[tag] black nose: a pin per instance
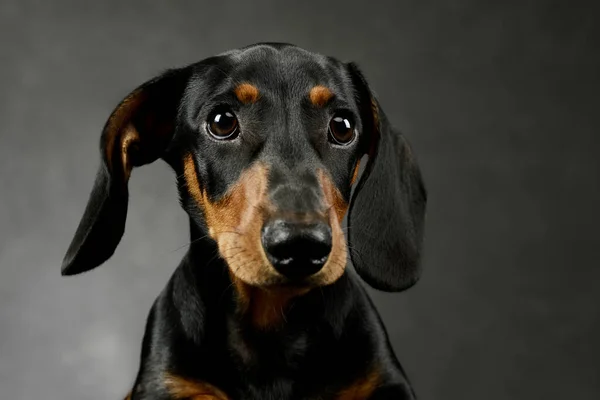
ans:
(296, 249)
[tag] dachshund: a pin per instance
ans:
(266, 142)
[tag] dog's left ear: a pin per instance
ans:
(387, 209)
(137, 132)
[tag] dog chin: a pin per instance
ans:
(278, 282)
(307, 284)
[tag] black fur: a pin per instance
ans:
(333, 335)
(387, 211)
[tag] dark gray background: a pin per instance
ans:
(499, 100)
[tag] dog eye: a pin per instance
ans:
(341, 129)
(223, 124)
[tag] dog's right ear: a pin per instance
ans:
(136, 133)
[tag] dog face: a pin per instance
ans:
(266, 142)
(270, 162)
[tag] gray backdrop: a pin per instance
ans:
(500, 101)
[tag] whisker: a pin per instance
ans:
(189, 243)
(292, 304)
(283, 315)
(225, 291)
(231, 257)
(215, 255)
(218, 253)
(356, 253)
(234, 232)
(228, 286)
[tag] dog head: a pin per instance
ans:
(266, 142)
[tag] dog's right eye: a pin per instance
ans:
(222, 124)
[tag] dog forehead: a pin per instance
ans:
(291, 67)
(276, 67)
(279, 55)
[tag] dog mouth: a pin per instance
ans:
(283, 282)
(272, 280)
(287, 252)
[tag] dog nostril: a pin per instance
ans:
(296, 249)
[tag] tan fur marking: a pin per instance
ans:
(130, 135)
(128, 397)
(183, 388)
(320, 95)
(247, 93)
(375, 110)
(333, 196)
(117, 121)
(355, 173)
(362, 388)
(337, 207)
(191, 178)
(266, 307)
(235, 222)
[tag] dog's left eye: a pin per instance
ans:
(341, 129)
(223, 124)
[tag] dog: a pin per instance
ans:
(266, 142)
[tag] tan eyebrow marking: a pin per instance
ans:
(247, 93)
(320, 95)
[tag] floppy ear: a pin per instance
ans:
(387, 209)
(136, 133)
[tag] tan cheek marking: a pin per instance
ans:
(183, 388)
(355, 173)
(218, 214)
(247, 93)
(235, 221)
(320, 95)
(333, 197)
(361, 389)
(242, 208)
(336, 263)
(191, 178)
